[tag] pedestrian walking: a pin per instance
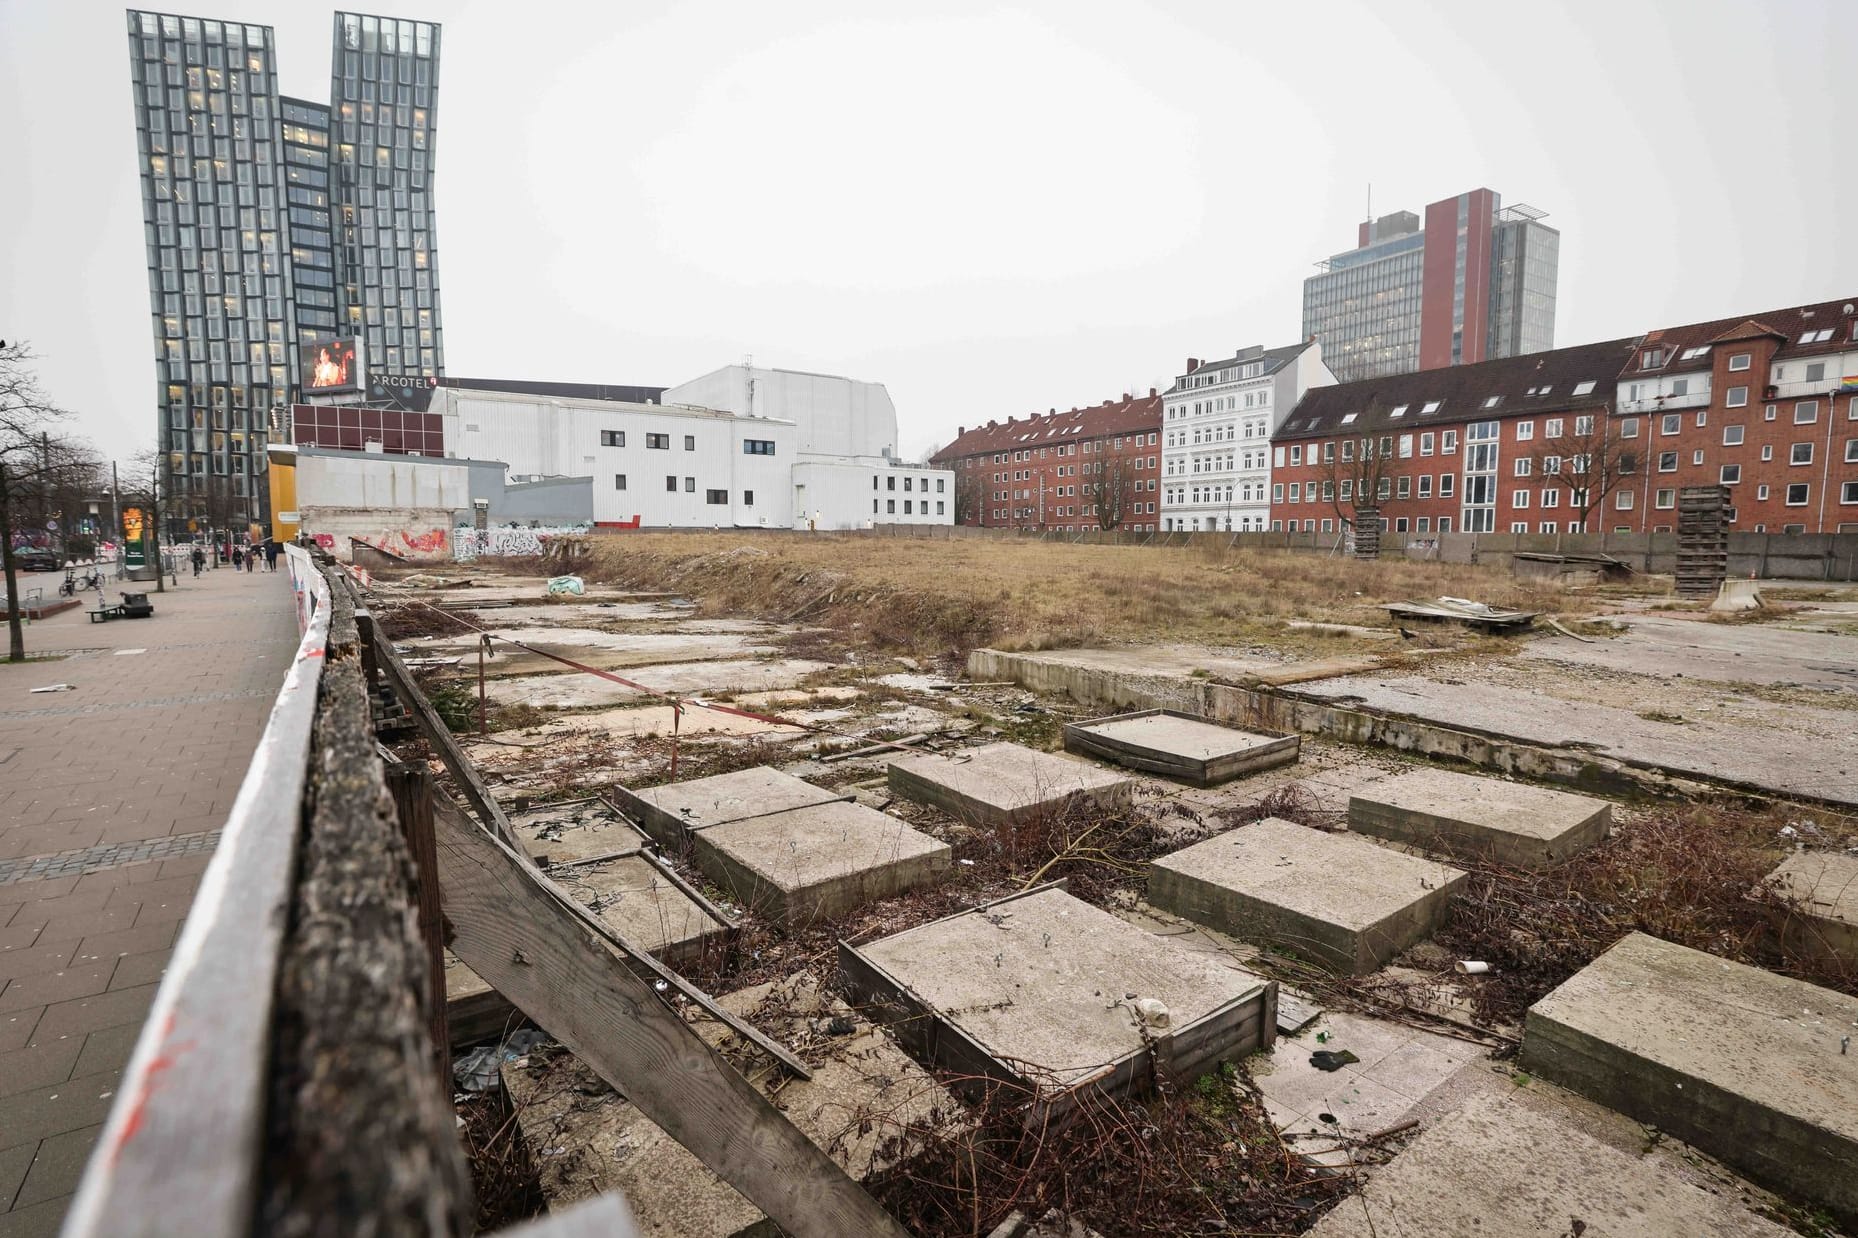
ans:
(251, 558)
(199, 559)
(271, 553)
(238, 558)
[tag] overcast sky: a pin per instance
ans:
(993, 210)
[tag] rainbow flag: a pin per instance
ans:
(1849, 383)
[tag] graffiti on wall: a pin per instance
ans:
(469, 543)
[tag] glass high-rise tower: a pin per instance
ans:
(274, 223)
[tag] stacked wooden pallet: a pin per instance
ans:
(1702, 539)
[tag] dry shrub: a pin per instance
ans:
(1197, 1156)
(503, 1178)
(1692, 875)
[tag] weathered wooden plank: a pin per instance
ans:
(436, 732)
(412, 789)
(182, 1138)
(360, 1135)
(512, 931)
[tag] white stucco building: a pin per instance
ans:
(832, 415)
(1217, 421)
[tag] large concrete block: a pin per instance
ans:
(1824, 925)
(574, 832)
(1512, 823)
(1005, 784)
(1502, 1168)
(1336, 899)
(818, 862)
(1748, 1066)
(1180, 746)
(1041, 991)
(670, 812)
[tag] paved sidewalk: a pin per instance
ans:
(111, 799)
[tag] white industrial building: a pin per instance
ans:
(1217, 421)
(738, 448)
(816, 452)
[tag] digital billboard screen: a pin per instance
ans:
(331, 366)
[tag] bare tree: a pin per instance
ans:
(1358, 479)
(38, 463)
(1114, 491)
(970, 495)
(1583, 456)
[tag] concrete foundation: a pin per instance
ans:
(1825, 924)
(1512, 823)
(668, 813)
(1501, 1168)
(639, 902)
(1744, 1064)
(573, 832)
(1335, 899)
(1005, 784)
(818, 862)
(1180, 746)
(1043, 992)
(589, 1139)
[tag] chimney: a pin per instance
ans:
(960, 430)
(1193, 363)
(1151, 393)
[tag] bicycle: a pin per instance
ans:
(73, 583)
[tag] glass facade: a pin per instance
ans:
(1367, 305)
(384, 85)
(1365, 308)
(1525, 258)
(271, 222)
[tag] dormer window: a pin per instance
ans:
(1399, 411)
(1492, 401)
(1583, 388)
(1431, 406)
(1348, 419)
(1651, 358)
(1691, 354)
(1817, 337)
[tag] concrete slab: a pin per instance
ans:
(1452, 814)
(1825, 924)
(1180, 746)
(671, 811)
(818, 862)
(1335, 899)
(573, 832)
(864, 1095)
(1004, 784)
(573, 690)
(1760, 653)
(1744, 1064)
(640, 903)
(1041, 991)
(1499, 1167)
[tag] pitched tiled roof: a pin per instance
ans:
(1582, 377)
(1791, 324)
(1274, 359)
(1124, 416)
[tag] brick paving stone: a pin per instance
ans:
(28, 1117)
(112, 800)
(14, 1162)
(58, 1166)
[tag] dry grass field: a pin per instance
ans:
(941, 597)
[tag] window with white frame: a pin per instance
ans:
(1621, 500)
(1525, 430)
(1805, 412)
(1737, 397)
(1629, 428)
(1667, 462)
(1731, 475)
(1670, 423)
(1551, 497)
(1797, 493)
(1522, 466)
(1800, 453)
(1583, 424)
(1740, 361)
(1448, 442)
(1519, 498)
(1664, 500)
(1551, 428)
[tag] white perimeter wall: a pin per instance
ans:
(382, 482)
(831, 414)
(536, 435)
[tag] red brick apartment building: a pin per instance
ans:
(1058, 471)
(1766, 404)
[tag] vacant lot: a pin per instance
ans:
(945, 597)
